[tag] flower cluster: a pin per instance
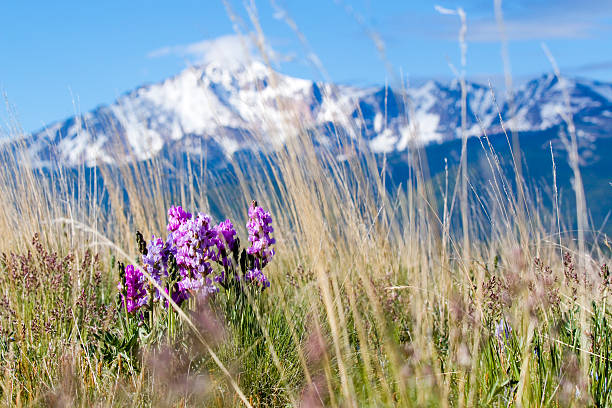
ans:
(155, 262)
(176, 217)
(133, 292)
(260, 228)
(184, 264)
(195, 241)
(226, 241)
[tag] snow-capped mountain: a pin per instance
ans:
(218, 111)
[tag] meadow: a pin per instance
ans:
(450, 291)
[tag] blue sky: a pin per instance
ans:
(63, 57)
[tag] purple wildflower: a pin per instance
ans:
(178, 296)
(225, 240)
(134, 293)
(155, 262)
(194, 240)
(256, 276)
(176, 217)
(503, 331)
(260, 228)
(202, 285)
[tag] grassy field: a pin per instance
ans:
(423, 294)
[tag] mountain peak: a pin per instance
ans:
(215, 68)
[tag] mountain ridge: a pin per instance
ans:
(254, 108)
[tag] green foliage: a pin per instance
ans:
(601, 358)
(263, 341)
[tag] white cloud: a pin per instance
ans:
(524, 20)
(444, 10)
(532, 29)
(229, 50)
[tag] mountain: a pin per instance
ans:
(222, 117)
(218, 111)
